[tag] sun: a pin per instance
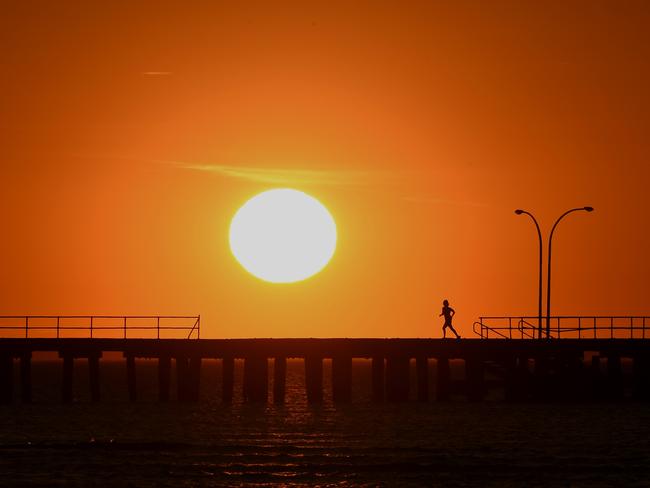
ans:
(283, 236)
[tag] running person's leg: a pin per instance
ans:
(454, 331)
(444, 331)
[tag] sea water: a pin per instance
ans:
(147, 444)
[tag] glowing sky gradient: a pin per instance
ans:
(131, 132)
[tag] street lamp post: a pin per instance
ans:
(539, 235)
(548, 273)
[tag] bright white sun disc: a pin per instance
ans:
(283, 236)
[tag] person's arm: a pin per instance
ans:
(453, 312)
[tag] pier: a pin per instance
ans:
(578, 363)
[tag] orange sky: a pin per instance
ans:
(421, 127)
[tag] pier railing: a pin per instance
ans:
(101, 326)
(564, 327)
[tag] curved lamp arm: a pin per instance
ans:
(539, 298)
(548, 271)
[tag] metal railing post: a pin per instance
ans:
(125, 327)
(26, 327)
(611, 327)
(631, 327)
(198, 327)
(58, 326)
(91, 327)
(158, 326)
(579, 327)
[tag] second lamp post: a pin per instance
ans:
(548, 275)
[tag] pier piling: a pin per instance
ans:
(516, 378)
(130, 378)
(573, 384)
(443, 379)
(422, 367)
(541, 381)
(68, 371)
(93, 373)
(595, 379)
(314, 378)
(256, 379)
(641, 372)
(227, 379)
(342, 379)
(164, 376)
(397, 378)
(378, 380)
(26, 377)
(194, 379)
(6, 379)
(615, 390)
(182, 379)
(279, 379)
(475, 379)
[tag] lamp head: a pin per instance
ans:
(519, 211)
(589, 209)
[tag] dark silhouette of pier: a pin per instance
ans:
(573, 368)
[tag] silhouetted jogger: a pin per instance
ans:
(448, 313)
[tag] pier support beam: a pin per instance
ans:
(256, 379)
(422, 367)
(342, 379)
(227, 379)
(314, 378)
(93, 373)
(279, 379)
(131, 379)
(26, 377)
(475, 379)
(6, 379)
(68, 371)
(397, 378)
(378, 380)
(164, 373)
(443, 379)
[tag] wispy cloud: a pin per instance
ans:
(427, 199)
(280, 176)
(157, 73)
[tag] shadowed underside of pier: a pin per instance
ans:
(525, 369)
